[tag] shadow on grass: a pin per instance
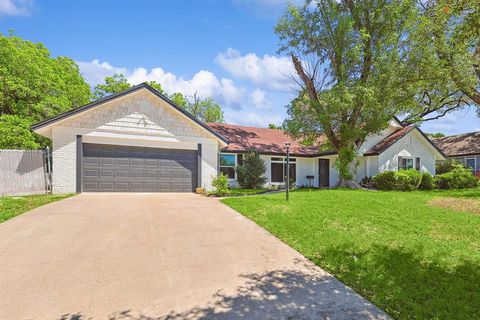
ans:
(280, 294)
(406, 286)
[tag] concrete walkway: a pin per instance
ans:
(159, 256)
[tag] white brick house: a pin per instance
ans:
(140, 141)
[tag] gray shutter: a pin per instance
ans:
(400, 163)
(417, 164)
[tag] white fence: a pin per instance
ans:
(24, 172)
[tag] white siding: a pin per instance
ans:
(307, 167)
(412, 145)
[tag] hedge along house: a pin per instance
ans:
(140, 141)
(464, 148)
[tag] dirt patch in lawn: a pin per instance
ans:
(457, 204)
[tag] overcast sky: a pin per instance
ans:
(223, 49)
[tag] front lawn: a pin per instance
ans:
(13, 206)
(409, 257)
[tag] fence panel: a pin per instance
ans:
(23, 172)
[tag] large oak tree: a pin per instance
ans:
(352, 69)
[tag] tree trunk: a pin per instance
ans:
(349, 183)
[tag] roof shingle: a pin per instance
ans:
(263, 140)
(460, 144)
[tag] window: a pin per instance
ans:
(417, 164)
(279, 169)
(227, 165)
(405, 163)
(470, 164)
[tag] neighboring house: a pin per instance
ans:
(464, 148)
(139, 140)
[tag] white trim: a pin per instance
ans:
(234, 166)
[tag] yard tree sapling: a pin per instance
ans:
(251, 173)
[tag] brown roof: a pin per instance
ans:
(263, 140)
(460, 144)
(272, 141)
(388, 141)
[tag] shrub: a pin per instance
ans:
(408, 180)
(427, 183)
(444, 166)
(220, 183)
(458, 178)
(251, 174)
(385, 181)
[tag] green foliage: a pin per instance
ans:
(114, 84)
(427, 183)
(179, 99)
(445, 52)
(220, 183)
(274, 126)
(385, 181)
(15, 133)
(206, 110)
(444, 166)
(360, 80)
(34, 86)
(251, 174)
(402, 180)
(408, 180)
(435, 135)
(411, 259)
(459, 178)
(157, 86)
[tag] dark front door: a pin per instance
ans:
(324, 173)
(137, 169)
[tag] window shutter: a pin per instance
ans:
(417, 164)
(400, 163)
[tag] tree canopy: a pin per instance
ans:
(351, 70)
(359, 63)
(34, 86)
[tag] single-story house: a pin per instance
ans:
(464, 148)
(140, 141)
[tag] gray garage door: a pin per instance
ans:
(137, 169)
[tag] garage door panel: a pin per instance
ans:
(137, 169)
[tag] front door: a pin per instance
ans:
(323, 173)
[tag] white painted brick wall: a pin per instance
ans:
(138, 114)
(64, 161)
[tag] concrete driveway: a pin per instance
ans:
(159, 256)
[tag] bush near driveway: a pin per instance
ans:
(411, 259)
(13, 206)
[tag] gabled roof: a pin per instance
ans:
(96, 103)
(391, 139)
(263, 140)
(388, 141)
(460, 144)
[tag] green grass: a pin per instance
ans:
(409, 258)
(13, 206)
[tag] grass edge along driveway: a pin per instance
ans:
(409, 258)
(12, 206)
